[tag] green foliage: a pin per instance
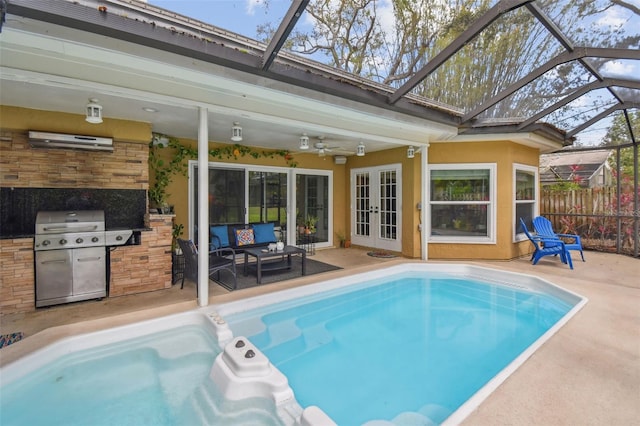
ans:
(178, 228)
(164, 169)
(618, 134)
(310, 223)
(564, 186)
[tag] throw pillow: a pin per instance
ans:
(263, 233)
(244, 237)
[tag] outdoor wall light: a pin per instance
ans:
(360, 150)
(304, 141)
(94, 112)
(236, 132)
(411, 152)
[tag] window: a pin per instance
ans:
(525, 197)
(462, 203)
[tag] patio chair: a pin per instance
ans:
(546, 246)
(219, 259)
(543, 226)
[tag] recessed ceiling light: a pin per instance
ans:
(149, 109)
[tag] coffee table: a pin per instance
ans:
(262, 254)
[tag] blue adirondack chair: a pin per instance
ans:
(546, 246)
(543, 226)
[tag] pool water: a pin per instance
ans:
(413, 346)
(159, 379)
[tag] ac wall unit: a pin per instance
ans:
(62, 141)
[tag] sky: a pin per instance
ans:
(244, 16)
(239, 16)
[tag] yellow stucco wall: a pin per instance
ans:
(505, 155)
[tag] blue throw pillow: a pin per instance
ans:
(263, 233)
(223, 235)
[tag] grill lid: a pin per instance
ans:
(59, 222)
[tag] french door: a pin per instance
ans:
(376, 219)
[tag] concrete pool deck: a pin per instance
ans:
(588, 373)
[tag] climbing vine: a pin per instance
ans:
(164, 170)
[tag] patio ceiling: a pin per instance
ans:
(274, 95)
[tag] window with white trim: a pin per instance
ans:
(525, 194)
(462, 202)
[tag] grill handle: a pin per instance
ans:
(67, 228)
(88, 259)
(46, 262)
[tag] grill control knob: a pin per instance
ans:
(79, 240)
(119, 238)
(46, 242)
(94, 239)
(63, 242)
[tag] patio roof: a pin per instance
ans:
(269, 66)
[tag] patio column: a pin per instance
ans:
(425, 194)
(203, 207)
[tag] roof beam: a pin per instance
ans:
(578, 53)
(286, 26)
(502, 7)
(564, 40)
(215, 49)
(631, 132)
(602, 115)
(594, 85)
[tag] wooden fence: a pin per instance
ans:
(604, 220)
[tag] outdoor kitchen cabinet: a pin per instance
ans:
(64, 276)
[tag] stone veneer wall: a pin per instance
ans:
(136, 269)
(22, 166)
(17, 276)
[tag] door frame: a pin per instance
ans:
(374, 240)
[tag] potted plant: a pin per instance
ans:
(310, 224)
(176, 233)
(342, 238)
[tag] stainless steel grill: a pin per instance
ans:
(71, 256)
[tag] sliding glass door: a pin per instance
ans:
(267, 199)
(249, 194)
(312, 206)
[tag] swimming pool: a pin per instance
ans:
(169, 350)
(401, 348)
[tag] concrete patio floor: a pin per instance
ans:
(586, 374)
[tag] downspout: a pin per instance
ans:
(203, 207)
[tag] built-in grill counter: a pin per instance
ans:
(71, 255)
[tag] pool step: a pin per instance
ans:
(285, 329)
(206, 406)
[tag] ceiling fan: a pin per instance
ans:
(323, 148)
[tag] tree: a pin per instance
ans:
(618, 134)
(388, 41)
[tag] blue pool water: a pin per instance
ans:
(419, 345)
(142, 382)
